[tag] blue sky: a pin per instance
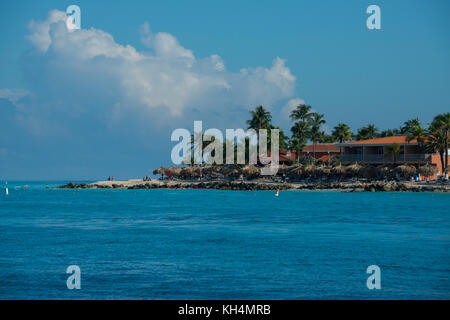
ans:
(87, 106)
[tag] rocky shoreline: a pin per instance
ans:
(373, 186)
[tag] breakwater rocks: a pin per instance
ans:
(374, 186)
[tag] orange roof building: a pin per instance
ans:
(373, 151)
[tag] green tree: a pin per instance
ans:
(282, 139)
(435, 142)
(389, 133)
(300, 134)
(296, 145)
(393, 150)
(410, 125)
(194, 147)
(342, 133)
(326, 138)
(442, 123)
(367, 132)
(261, 119)
(301, 113)
(417, 133)
(317, 121)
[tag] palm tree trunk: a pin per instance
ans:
(446, 148)
(314, 149)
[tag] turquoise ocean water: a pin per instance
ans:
(212, 244)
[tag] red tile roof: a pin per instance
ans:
(378, 141)
(325, 158)
(323, 147)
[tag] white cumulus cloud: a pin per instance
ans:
(167, 78)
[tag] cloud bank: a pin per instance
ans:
(83, 84)
(166, 77)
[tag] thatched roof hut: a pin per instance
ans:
(283, 169)
(353, 169)
(384, 171)
(310, 170)
(210, 170)
(405, 171)
(186, 172)
(295, 170)
(338, 170)
(368, 172)
(174, 171)
(230, 170)
(323, 170)
(161, 170)
(427, 170)
(250, 170)
(196, 171)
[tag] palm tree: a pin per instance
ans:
(316, 123)
(260, 119)
(442, 123)
(297, 145)
(389, 133)
(326, 138)
(301, 112)
(393, 150)
(435, 142)
(410, 125)
(282, 139)
(342, 133)
(416, 133)
(300, 134)
(367, 132)
(195, 148)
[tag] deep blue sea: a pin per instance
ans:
(211, 244)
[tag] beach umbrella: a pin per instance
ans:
(283, 169)
(325, 170)
(160, 170)
(196, 171)
(368, 172)
(229, 169)
(295, 170)
(236, 171)
(174, 171)
(310, 170)
(427, 170)
(338, 170)
(353, 169)
(186, 172)
(405, 171)
(250, 170)
(208, 170)
(384, 171)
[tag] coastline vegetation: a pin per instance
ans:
(307, 127)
